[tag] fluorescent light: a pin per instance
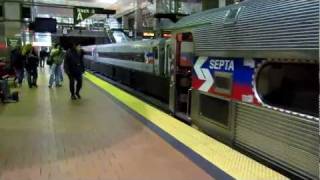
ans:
(107, 1)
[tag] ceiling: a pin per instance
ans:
(118, 5)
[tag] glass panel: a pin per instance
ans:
(290, 86)
(214, 109)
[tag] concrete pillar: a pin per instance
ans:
(222, 3)
(138, 20)
(12, 18)
(210, 4)
(125, 22)
(10, 26)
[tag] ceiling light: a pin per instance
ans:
(107, 1)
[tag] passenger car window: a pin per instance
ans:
(290, 86)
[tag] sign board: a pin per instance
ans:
(12, 42)
(148, 34)
(228, 77)
(82, 13)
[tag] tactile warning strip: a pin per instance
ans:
(228, 160)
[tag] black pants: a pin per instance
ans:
(75, 80)
(42, 61)
(32, 77)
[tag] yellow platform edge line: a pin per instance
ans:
(232, 162)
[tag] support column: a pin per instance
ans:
(12, 18)
(209, 4)
(222, 3)
(125, 22)
(10, 26)
(138, 21)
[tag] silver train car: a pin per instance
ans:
(246, 74)
(134, 63)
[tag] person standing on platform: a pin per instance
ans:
(56, 58)
(17, 63)
(32, 62)
(43, 55)
(74, 68)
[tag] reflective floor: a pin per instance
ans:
(48, 136)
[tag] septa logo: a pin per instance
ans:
(203, 74)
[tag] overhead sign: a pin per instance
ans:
(12, 42)
(82, 13)
(148, 34)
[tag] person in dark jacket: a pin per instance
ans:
(43, 55)
(32, 62)
(74, 68)
(17, 63)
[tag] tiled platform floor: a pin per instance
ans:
(48, 136)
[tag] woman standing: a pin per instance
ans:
(56, 58)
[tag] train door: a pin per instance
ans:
(181, 78)
(170, 69)
(168, 57)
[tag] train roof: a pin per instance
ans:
(141, 43)
(269, 25)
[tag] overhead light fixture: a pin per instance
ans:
(107, 1)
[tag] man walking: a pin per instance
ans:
(74, 67)
(32, 62)
(43, 54)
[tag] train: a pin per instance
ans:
(245, 74)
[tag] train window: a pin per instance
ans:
(214, 109)
(223, 82)
(155, 52)
(232, 16)
(290, 86)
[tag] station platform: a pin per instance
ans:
(108, 134)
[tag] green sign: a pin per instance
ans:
(82, 13)
(12, 42)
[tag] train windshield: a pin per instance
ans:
(290, 86)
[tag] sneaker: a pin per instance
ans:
(73, 97)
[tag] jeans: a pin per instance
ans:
(19, 75)
(55, 74)
(72, 80)
(32, 77)
(61, 74)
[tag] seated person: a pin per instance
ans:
(5, 95)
